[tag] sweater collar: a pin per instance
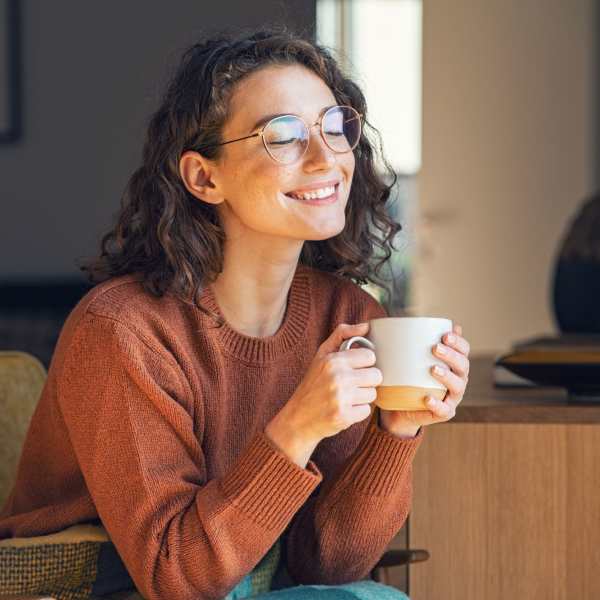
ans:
(257, 350)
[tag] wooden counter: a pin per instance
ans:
(507, 497)
(484, 403)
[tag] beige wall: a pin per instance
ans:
(509, 142)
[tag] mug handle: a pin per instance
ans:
(357, 339)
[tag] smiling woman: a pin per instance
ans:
(268, 199)
(198, 407)
(226, 89)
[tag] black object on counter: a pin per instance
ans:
(576, 277)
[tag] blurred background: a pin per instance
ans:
(488, 113)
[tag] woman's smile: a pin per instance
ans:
(317, 194)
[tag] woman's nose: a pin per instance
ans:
(318, 154)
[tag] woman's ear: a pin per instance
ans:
(197, 175)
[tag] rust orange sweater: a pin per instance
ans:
(152, 420)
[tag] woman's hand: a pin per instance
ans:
(407, 423)
(336, 392)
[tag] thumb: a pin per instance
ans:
(342, 332)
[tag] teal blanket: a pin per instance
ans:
(359, 590)
(261, 584)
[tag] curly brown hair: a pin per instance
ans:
(175, 241)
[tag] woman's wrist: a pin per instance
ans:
(405, 433)
(286, 439)
(402, 431)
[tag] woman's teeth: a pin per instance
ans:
(320, 193)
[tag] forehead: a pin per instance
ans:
(278, 89)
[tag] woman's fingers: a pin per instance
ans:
(342, 332)
(457, 361)
(368, 377)
(454, 383)
(364, 395)
(442, 410)
(358, 358)
(455, 340)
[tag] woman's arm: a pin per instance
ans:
(341, 532)
(179, 535)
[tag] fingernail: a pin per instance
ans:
(450, 339)
(431, 400)
(439, 370)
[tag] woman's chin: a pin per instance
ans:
(326, 230)
(316, 222)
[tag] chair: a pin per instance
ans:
(397, 558)
(22, 378)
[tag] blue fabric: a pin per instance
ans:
(270, 580)
(242, 590)
(359, 590)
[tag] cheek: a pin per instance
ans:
(270, 176)
(256, 171)
(253, 192)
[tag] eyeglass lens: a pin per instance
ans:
(286, 138)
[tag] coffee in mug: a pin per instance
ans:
(404, 350)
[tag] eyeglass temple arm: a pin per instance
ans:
(231, 141)
(246, 137)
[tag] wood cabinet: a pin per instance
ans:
(507, 498)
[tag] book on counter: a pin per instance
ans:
(548, 351)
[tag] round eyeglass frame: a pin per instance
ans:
(319, 122)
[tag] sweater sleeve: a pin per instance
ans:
(343, 530)
(345, 527)
(127, 405)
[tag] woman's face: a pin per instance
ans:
(256, 190)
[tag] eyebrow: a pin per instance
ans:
(264, 120)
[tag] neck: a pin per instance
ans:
(253, 287)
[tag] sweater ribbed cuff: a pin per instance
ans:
(380, 461)
(267, 486)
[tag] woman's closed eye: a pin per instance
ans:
(283, 142)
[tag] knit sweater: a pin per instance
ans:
(152, 420)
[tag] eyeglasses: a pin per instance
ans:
(286, 137)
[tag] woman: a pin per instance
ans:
(197, 403)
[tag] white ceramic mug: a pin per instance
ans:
(404, 350)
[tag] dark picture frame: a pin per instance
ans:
(10, 72)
